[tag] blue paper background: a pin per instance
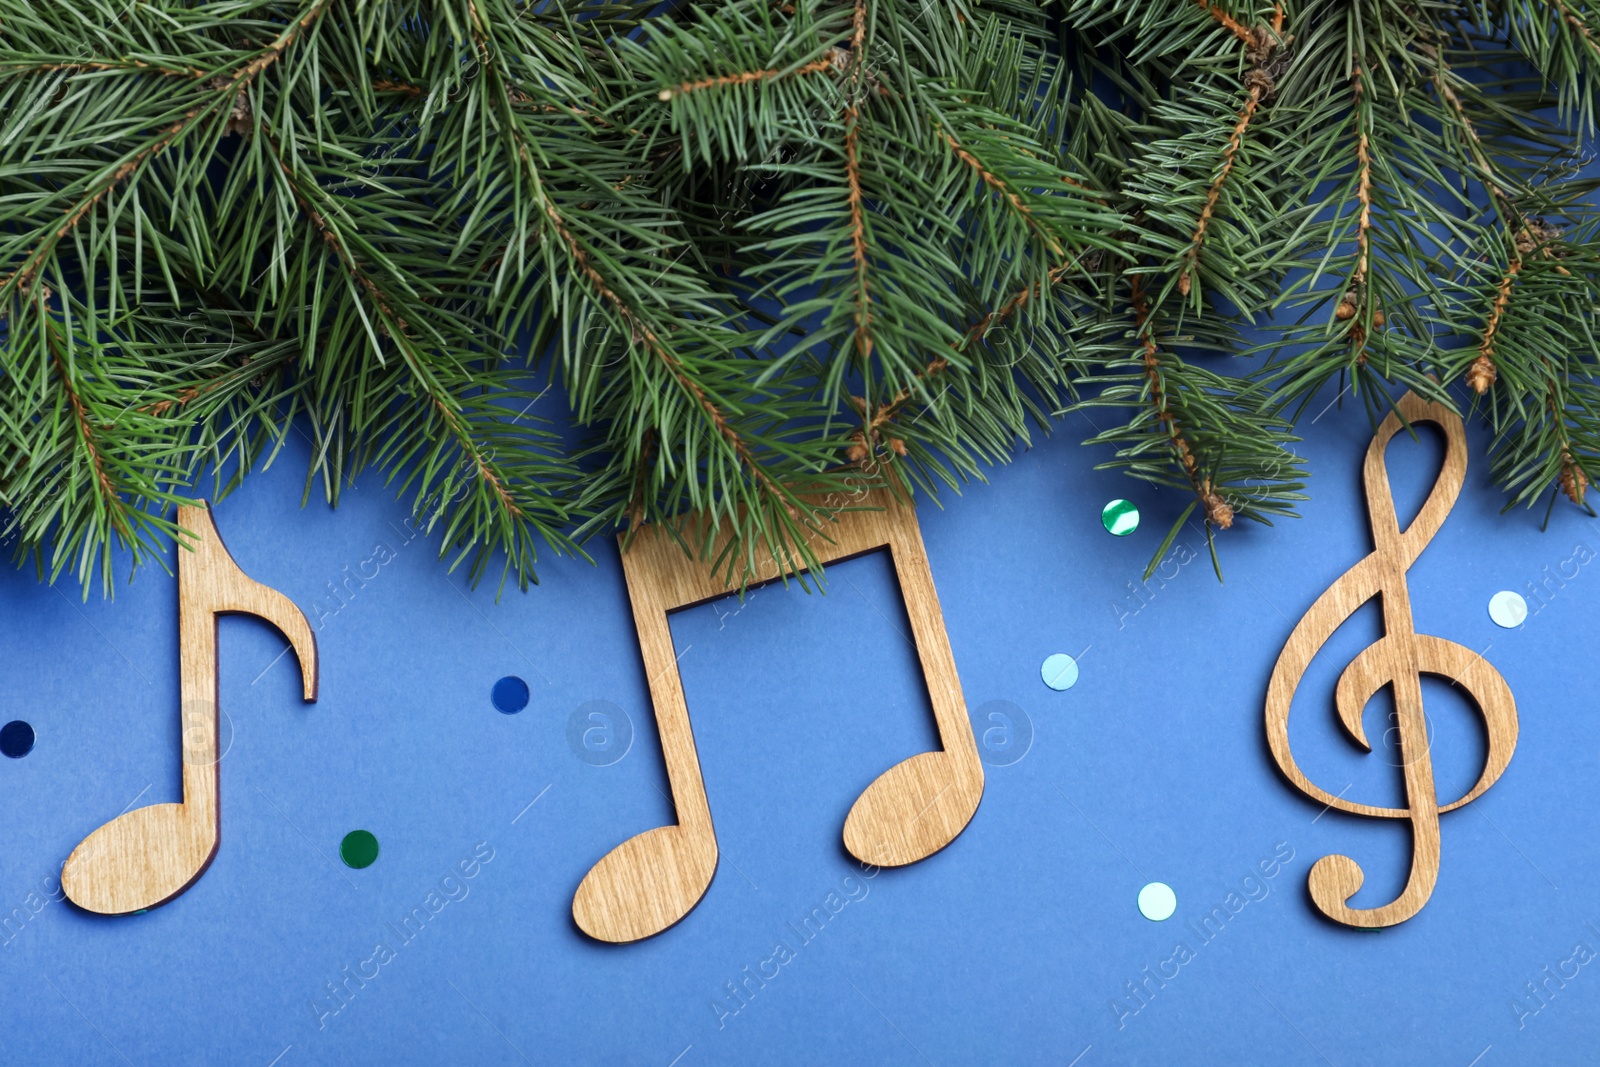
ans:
(1012, 945)
(1020, 943)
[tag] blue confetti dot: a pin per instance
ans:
(1060, 671)
(16, 739)
(510, 694)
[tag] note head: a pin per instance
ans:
(913, 809)
(130, 864)
(645, 884)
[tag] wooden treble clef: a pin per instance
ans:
(1398, 659)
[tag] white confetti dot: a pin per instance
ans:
(1508, 609)
(1157, 901)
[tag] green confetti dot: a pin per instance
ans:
(1120, 517)
(358, 849)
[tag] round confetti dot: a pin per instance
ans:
(1120, 517)
(510, 694)
(16, 739)
(358, 849)
(1508, 609)
(1060, 671)
(1157, 902)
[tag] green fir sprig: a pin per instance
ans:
(761, 248)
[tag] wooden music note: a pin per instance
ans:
(912, 810)
(147, 856)
(1398, 659)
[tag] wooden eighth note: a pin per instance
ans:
(1398, 659)
(911, 811)
(149, 855)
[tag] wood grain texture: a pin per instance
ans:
(912, 810)
(147, 856)
(1398, 660)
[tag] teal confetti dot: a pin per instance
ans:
(1157, 902)
(1508, 609)
(358, 849)
(1120, 517)
(1060, 671)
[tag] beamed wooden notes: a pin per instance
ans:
(912, 810)
(1397, 660)
(149, 855)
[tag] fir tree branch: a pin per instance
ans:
(1579, 28)
(77, 66)
(745, 77)
(1482, 374)
(743, 241)
(225, 91)
(1358, 277)
(394, 327)
(1006, 193)
(1226, 21)
(110, 496)
(1259, 83)
(1217, 510)
(852, 172)
(1235, 139)
(643, 331)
